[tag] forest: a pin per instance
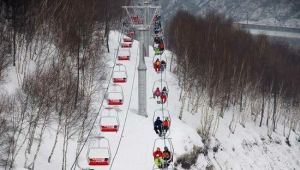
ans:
(228, 69)
(57, 49)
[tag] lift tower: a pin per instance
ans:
(141, 17)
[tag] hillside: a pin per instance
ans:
(248, 148)
(232, 104)
(269, 12)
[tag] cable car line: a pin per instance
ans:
(126, 115)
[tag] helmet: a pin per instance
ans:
(166, 148)
(158, 118)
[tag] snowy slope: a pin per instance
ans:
(136, 143)
(248, 148)
(132, 146)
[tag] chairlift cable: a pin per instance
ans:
(127, 111)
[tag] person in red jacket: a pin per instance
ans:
(164, 95)
(166, 125)
(156, 93)
(161, 46)
(157, 153)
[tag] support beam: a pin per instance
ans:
(142, 77)
(144, 34)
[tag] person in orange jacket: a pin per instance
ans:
(156, 65)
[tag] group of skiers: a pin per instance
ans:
(157, 24)
(159, 45)
(163, 95)
(162, 159)
(161, 127)
(159, 66)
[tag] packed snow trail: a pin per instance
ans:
(132, 146)
(136, 148)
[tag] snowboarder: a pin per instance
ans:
(158, 126)
(156, 93)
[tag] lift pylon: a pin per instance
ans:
(139, 16)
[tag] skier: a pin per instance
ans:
(164, 95)
(163, 65)
(157, 40)
(157, 51)
(156, 93)
(156, 18)
(166, 157)
(163, 98)
(164, 90)
(155, 47)
(156, 65)
(158, 161)
(162, 46)
(158, 127)
(157, 153)
(157, 30)
(157, 25)
(166, 125)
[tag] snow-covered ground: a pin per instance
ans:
(132, 146)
